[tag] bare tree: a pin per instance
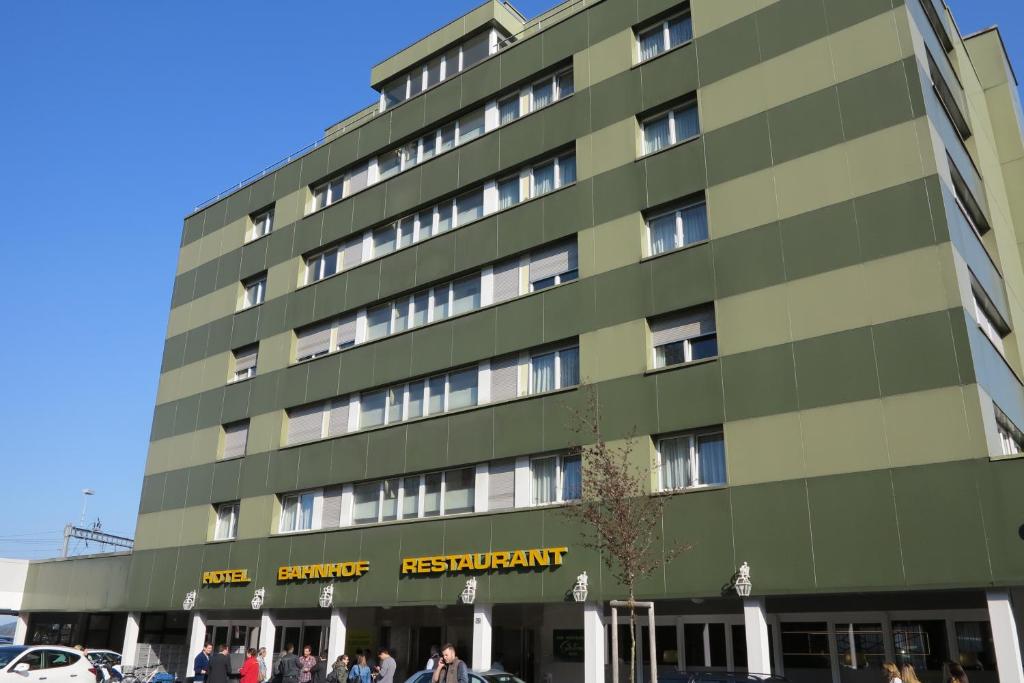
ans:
(621, 519)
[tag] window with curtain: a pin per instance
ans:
(543, 93)
(678, 228)
(556, 479)
(389, 490)
(543, 179)
(671, 127)
(322, 265)
(444, 217)
(508, 193)
(297, 511)
(255, 291)
(389, 163)
(471, 207)
(692, 460)
(554, 370)
(262, 224)
(396, 403)
(508, 110)
(572, 478)
(657, 134)
(410, 497)
(542, 373)
(664, 35)
(227, 521)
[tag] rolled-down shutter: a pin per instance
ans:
(506, 281)
(353, 254)
(337, 424)
(552, 261)
(332, 507)
(245, 359)
(501, 485)
(306, 423)
(504, 378)
(313, 341)
(685, 325)
(235, 437)
(347, 331)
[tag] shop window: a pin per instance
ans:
(704, 646)
(860, 646)
(974, 641)
(921, 643)
(805, 645)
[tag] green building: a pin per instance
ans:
(777, 242)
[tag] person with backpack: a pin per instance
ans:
(451, 669)
(360, 673)
(288, 667)
(339, 670)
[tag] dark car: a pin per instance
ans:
(719, 677)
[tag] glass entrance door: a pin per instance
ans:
(300, 634)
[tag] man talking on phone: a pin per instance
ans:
(451, 669)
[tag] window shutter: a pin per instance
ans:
(347, 331)
(506, 281)
(245, 359)
(501, 484)
(332, 507)
(686, 325)
(235, 437)
(353, 253)
(338, 422)
(504, 378)
(313, 341)
(552, 261)
(305, 424)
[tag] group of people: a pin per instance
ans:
(210, 667)
(905, 673)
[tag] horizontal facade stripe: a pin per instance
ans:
(803, 536)
(899, 357)
(882, 224)
(843, 113)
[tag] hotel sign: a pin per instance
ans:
(218, 577)
(479, 562)
(335, 570)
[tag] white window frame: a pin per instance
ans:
(987, 325)
(262, 224)
(1011, 441)
(673, 136)
(258, 286)
(694, 473)
(679, 241)
(687, 349)
(318, 502)
(558, 182)
(558, 366)
(333, 190)
(421, 484)
(559, 478)
(665, 36)
(232, 509)
(319, 259)
(248, 373)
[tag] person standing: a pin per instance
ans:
(220, 666)
(288, 667)
(320, 670)
(201, 665)
(451, 669)
(435, 656)
(307, 663)
(360, 673)
(339, 670)
(386, 667)
(908, 674)
(261, 661)
(250, 671)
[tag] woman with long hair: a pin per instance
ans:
(360, 673)
(908, 674)
(891, 673)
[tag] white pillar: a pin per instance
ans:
(268, 632)
(337, 636)
(755, 621)
(593, 643)
(1004, 637)
(131, 639)
(21, 629)
(482, 659)
(196, 637)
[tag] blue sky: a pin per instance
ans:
(118, 118)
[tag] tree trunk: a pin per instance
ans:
(632, 637)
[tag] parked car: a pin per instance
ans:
(719, 677)
(6, 640)
(51, 663)
(500, 677)
(425, 677)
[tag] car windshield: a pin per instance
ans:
(9, 653)
(501, 678)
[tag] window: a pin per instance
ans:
(987, 321)
(378, 321)
(313, 341)
(1011, 441)
(684, 337)
(475, 50)
(319, 266)
(388, 164)
(366, 503)
(966, 202)
(663, 36)
(245, 362)
(554, 370)
(297, 511)
(860, 646)
(678, 228)
(668, 128)
(501, 485)
(357, 179)
(262, 224)
(508, 110)
(306, 423)
(327, 193)
(444, 493)
(384, 240)
(556, 479)
(236, 437)
(396, 91)
(691, 461)
(470, 206)
(508, 192)
(554, 266)
(462, 388)
(471, 126)
(227, 522)
(255, 291)
(459, 489)
(466, 295)
(371, 409)
(551, 89)
(552, 175)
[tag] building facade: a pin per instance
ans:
(775, 242)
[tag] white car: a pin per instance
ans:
(50, 663)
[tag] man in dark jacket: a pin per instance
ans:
(288, 667)
(201, 666)
(220, 666)
(451, 669)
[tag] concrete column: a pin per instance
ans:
(131, 639)
(21, 629)
(755, 621)
(337, 635)
(482, 659)
(1004, 636)
(196, 637)
(268, 631)
(593, 643)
